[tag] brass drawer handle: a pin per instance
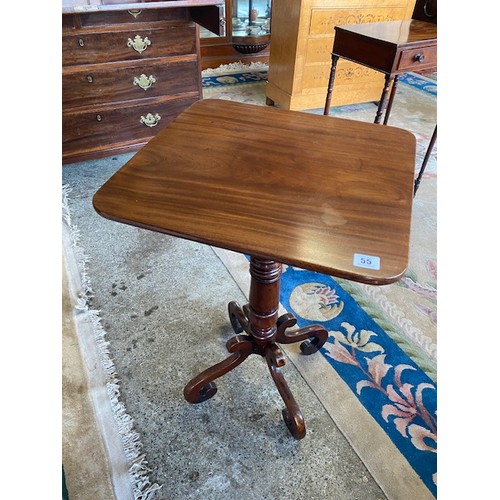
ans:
(419, 57)
(139, 44)
(150, 120)
(134, 12)
(144, 81)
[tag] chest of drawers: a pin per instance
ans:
(126, 73)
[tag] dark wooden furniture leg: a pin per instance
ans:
(430, 147)
(259, 320)
(383, 99)
(331, 79)
(391, 99)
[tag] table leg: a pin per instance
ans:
(333, 69)
(383, 98)
(391, 99)
(259, 320)
(430, 147)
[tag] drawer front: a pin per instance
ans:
(71, 22)
(145, 79)
(87, 47)
(132, 16)
(110, 127)
(416, 59)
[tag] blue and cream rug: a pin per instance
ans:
(387, 382)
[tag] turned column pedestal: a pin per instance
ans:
(264, 329)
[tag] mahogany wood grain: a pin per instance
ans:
(111, 126)
(391, 48)
(285, 187)
(101, 104)
(76, 6)
(93, 47)
(297, 188)
(98, 84)
(150, 16)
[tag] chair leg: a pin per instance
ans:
(331, 80)
(391, 99)
(383, 98)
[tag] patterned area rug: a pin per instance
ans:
(382, 340)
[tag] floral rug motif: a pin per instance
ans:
(233, 79)
(419, 82)
(389, 384)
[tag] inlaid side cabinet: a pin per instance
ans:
(127, 72)
(302, 41)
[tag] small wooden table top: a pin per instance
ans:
(322, 193)
(390, 47)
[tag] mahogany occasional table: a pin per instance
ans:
(326, 194)
(391, 47)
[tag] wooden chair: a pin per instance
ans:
(326, 194)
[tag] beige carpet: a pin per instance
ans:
(83, 453)
(94, 460)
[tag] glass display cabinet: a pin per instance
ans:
(246, 34)
(251, 25)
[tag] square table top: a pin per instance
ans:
(321, 193)
(402, 33)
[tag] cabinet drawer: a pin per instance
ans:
(416, 59)
(108, 127)
(92, 47)
(98, 84)
(133, 16)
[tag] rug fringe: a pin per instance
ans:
(138, 466)
(224, 69)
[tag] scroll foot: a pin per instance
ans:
(202, 387)
(238, 316)
(313, 336)
(291, 414)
